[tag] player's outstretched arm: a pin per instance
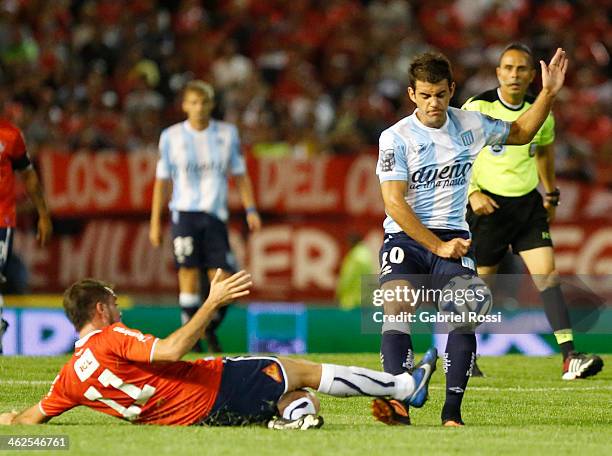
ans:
(527, 125)
(32, 415)
(177, 344)
(396, 206)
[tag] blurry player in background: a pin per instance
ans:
(140, 378)
(506, 208)
(14, 157)
(196, 156)
(424, 168)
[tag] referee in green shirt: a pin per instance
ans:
(506, 209)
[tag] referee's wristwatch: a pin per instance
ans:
(553, 197)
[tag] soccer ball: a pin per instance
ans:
(465, 302)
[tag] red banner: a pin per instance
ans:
(97, 183)
(110, 183)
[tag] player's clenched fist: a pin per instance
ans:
(234, 287)
(455, 248)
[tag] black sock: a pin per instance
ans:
(558, 318)
(458, 362)
(566, 348)
(187, 313)
(210, 333)
(396, 352)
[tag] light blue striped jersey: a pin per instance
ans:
(436, 163)
(198, 162)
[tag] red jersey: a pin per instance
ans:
(111, 371)
(13, 156)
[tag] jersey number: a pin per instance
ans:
(396, 256)
(85, 367)
(140, 396)
(183, 247)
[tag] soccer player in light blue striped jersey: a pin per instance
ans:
(424, 168)
(196, 157)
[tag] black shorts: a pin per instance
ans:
(521, 222)
(200, 240)
(6, 247)
(251, 386)
(401, 255)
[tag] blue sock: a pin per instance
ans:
(458, 363)
(396, 353)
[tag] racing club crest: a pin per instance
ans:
(467, 138)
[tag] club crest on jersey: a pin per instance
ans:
(467, 138)
(273, 372)
(387, 160)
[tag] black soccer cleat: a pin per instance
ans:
(580, 365)
(302, 423)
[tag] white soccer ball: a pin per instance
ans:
(465, 302)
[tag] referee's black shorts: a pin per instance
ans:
(521, 222)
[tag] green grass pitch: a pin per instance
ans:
(521, 407)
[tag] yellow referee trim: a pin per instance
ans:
(563, 336)
(52, 301)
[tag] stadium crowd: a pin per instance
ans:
(299, 77)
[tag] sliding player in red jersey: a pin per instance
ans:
(140, 378)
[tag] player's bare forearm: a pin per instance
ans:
(30, 415)
(161, 190)
(245, 188)
(35, 191)
(545, 161)
(160, 198)
(399, 210)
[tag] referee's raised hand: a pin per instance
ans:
(553, 74)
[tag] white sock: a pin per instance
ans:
(298, 408)
(189, 303)
(357, 381)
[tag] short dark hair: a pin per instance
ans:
(431, 67)
(516, 46)
(81, 297)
